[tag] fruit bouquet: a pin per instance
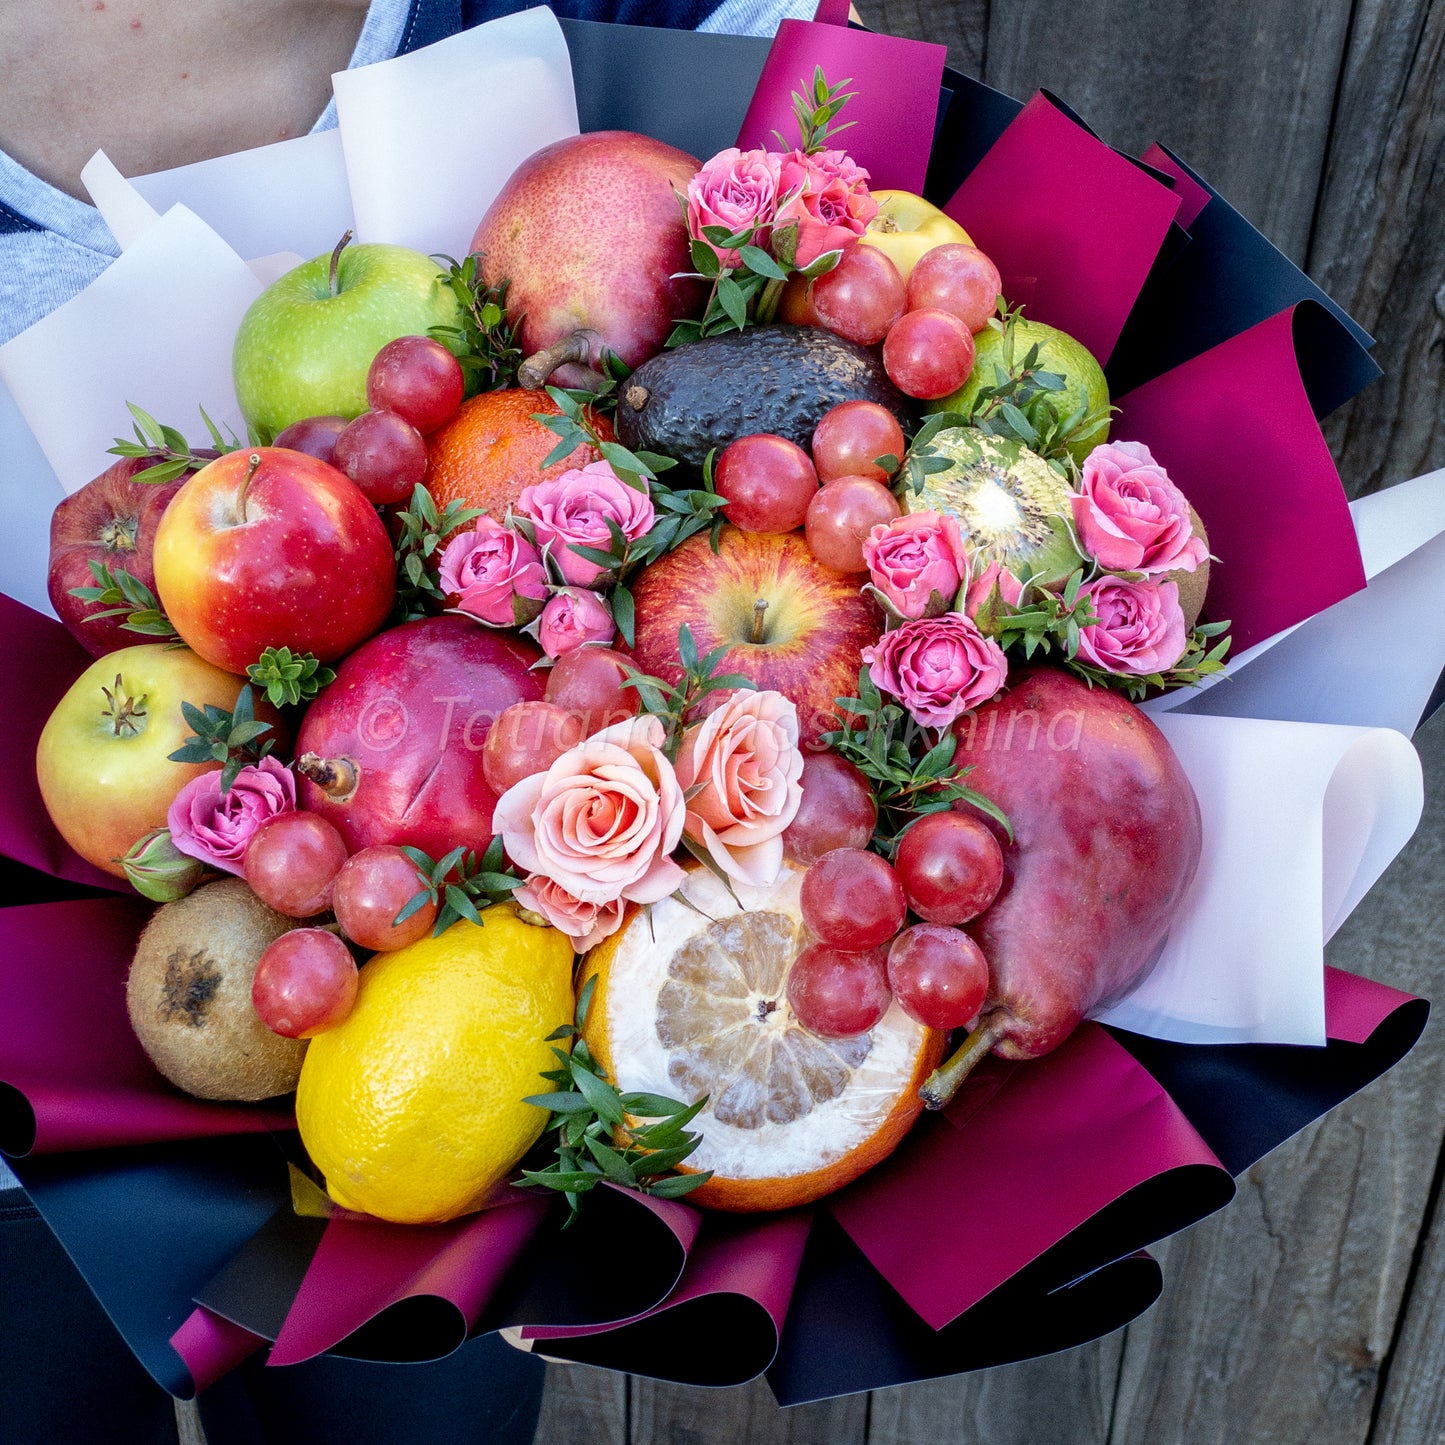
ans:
(675, 732)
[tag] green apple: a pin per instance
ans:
(306, 342)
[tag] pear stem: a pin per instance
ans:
(768, 298)
(760, 609)
(332, 280)
(533, 373)
(252, 462)
(944, 1082)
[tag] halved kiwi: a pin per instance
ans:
(1012, 507)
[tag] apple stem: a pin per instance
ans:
(944, 1082)
(760, 609)
(533, 373)
(341, 245)
(126, 713)
(336, 777)
(252, 462)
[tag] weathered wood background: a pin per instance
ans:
(1313, 1308)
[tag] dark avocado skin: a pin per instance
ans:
(778, 379)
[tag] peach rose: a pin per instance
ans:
(602, 820)
(740, 768)
(586, 924)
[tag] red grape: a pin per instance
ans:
(852, 899)
(861, 297)
(840, 517)
(384, 454)
(291, 862)
(316, 436)
(959, 279)
(837, 994)
(938, 975)
(767, 482)
(373, 886)
(837, 810)
(850, 438)
(527, 738)
(305, 983)
(928, 354)
(588, 681)
(951, 867)
(419, 379)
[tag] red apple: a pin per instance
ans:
(391, 752)
(804, 643)
(111, 520)
(590, 234)
(273, 548)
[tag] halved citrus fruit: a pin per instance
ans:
(691, 1000)
(492, 448)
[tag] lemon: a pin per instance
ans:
(692, 1001)
(1084, 383)
(412, 1107)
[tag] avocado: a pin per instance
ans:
(778, 379)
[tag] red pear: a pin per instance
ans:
(1106, 840)
(590, 235)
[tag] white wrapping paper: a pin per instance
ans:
(431, 137)
(1299, 820)
(154, 328)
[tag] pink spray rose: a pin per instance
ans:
(938, 668)
(487, 568)
(1130, 517)
(574, 509)
(736, 189)
(827, 195)
(916, 561)
(218, 829)
(572, 616)
(602, 820)
(740, 768)
(586, 924)
(980, 589)
(1140, 628)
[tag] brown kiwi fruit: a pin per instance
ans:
(1193, 585)
(189, 996)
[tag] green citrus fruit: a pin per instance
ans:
(1084, 384)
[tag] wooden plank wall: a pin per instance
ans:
(1313, 1308)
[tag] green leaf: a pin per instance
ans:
(758, 261)
(730, 297)
(705, 260)
(624, 614)
(676, 1185)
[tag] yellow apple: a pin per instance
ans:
(907, 226)
(103, 760)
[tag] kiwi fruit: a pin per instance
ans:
(1010, 504)
(189, 996)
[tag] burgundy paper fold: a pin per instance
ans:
(1235, 430)
(212, 1346)
(756, 1259)
(40, 660)
(893, 111)
(1355, 1007)
(66, 1044)
(1029, 1152)
(364, 1267)
(1079, 224)
(1192, 196)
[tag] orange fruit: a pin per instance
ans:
(492, 448)
(691, 1000)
